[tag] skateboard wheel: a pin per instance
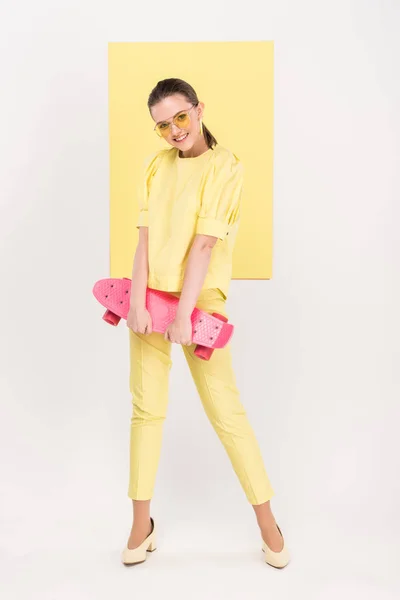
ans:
(203, 352)
(111, 318)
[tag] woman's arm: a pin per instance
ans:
(180, 330)
(195, 274)
(140, 270)
(139, 319)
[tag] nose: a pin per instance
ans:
(175, 129)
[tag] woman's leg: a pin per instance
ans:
(141, 526)
(267, 524)
(215, 382)
(150, 363)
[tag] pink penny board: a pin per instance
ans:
(209, 331)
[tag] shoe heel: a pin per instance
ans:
(153, 546)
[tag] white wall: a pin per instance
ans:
(319, 373)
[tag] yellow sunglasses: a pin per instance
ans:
(181, 120)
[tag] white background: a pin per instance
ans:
(316, 349)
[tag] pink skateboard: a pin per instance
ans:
(209, 331)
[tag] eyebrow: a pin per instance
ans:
(165, 120)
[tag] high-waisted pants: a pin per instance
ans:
(150, 364)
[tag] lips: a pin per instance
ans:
(181, 138)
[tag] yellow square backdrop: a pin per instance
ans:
(235, 81)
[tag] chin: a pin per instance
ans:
(186, 145)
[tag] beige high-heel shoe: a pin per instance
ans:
(139, 554)
(276, 559)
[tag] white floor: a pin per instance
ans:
(81, 560)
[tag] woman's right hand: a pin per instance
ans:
(139, 320)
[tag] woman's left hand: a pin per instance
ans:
(180, 331)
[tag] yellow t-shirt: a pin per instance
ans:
(182, 197)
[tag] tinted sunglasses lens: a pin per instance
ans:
(163, 129)
(182, 120)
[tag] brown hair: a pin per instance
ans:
(169, 87)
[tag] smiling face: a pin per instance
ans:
(178, 121)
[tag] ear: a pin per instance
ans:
(200, 110)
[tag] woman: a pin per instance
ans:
(189, 212)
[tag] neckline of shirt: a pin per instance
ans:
(190, 159)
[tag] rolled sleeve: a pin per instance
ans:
(207, 226)
(220, 203)
(149, 170)
(143, 219)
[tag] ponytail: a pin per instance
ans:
(208, 136)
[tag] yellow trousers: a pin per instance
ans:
(150, 364)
